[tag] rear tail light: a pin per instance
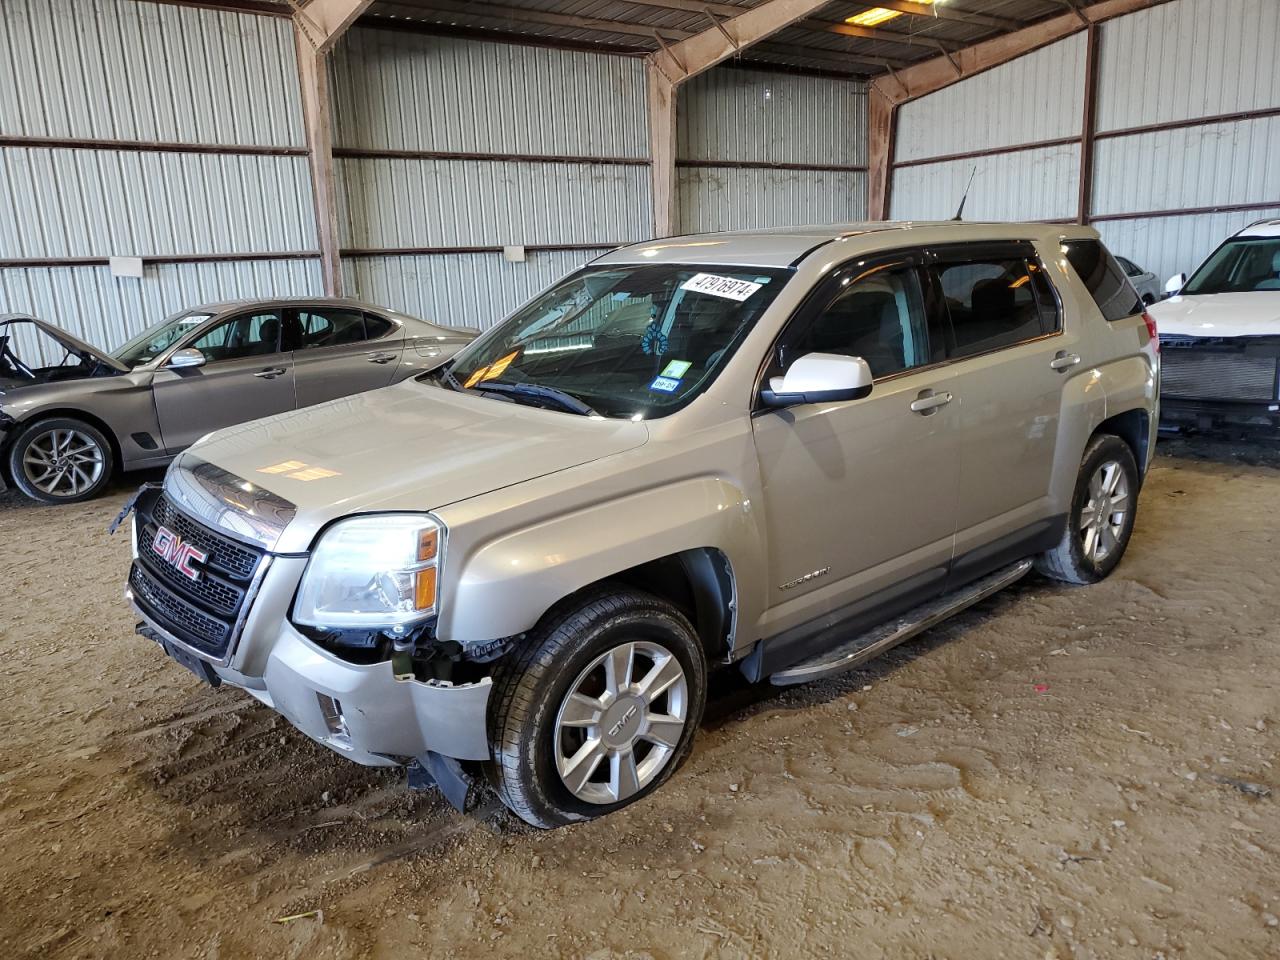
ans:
(1152, 332)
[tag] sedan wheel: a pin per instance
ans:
(60, 461)
(621, 722)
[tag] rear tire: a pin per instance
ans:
(597, 708)
(61, 460)
(1100, 521)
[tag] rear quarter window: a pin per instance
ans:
(1105, 278)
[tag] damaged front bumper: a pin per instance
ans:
(362, 711)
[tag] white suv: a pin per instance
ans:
(1221, 335)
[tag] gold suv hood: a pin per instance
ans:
(409, 447)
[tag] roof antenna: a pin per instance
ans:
(960, 213)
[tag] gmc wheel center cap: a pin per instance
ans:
(621, 722)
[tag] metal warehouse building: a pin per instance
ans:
(445, 134)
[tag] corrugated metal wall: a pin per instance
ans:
(1186, 60)
(468, 289)
(1036, 98)
(555, 152)
(145, 75)
(736, 127)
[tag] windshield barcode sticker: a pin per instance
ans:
(718, 286)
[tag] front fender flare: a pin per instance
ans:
(508, 582)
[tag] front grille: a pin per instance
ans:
(1241, 369)
(202, 613)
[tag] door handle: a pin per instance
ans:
(928, 402)
(270, 373)
(381, 357)
(1062, 360)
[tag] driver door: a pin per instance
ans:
(859, 496)
(246, 376)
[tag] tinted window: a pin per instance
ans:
(1130, 268)
(1104, 277)
(993, 304)
(250, 335)
(878, 316)
(330, 328)
(375, 327)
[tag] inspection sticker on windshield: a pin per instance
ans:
(676, 369)
(718, 286)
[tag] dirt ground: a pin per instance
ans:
(1058, 773)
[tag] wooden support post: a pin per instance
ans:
(662, 148)
(882, 119)
(1089, 127)
(313, 76)
(673, 64)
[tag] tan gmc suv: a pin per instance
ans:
(785, 451)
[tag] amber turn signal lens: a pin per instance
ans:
(428, 543)
(424, 592)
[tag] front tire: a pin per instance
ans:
(597, 708)
(1103, 510)
(61, 460)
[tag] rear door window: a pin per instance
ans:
(995, 303)
(330, 328)
(1105, 278)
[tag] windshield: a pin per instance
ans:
(1244, 265)
(620, 341)
(156, 339)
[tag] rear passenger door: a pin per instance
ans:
(1010, 358)
(341, 350)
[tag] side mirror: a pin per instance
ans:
(1175, 284)
(819, 378)
(185, 359)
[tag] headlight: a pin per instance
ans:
(376, 572)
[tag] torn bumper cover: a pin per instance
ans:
(364, 712)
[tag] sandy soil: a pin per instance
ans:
(1057, 773)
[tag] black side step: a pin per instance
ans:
(888, 635)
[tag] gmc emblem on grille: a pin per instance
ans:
(176, 552)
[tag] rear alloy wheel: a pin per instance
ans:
(60, 460)
(1103, 510)
(597, 708)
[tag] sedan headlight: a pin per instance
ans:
(375, 572)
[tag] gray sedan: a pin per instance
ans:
(71, 414)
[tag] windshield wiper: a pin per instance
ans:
(537, 391)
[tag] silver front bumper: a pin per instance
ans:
(359, 710)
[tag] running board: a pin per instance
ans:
(888, 635)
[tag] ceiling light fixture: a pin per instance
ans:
(878, 15)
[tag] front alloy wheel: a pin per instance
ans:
(621, 722)
(596, 708)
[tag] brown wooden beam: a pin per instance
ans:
(986, 152)
(313, 81)
(936, 11)
(376, 153)
(1089, 125)
(882, 123)
(1241, 116)
(768, 165)
(21, 263)
(662, 147)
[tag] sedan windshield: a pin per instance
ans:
(1245, 265)
(620, 341)
(156, 339)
